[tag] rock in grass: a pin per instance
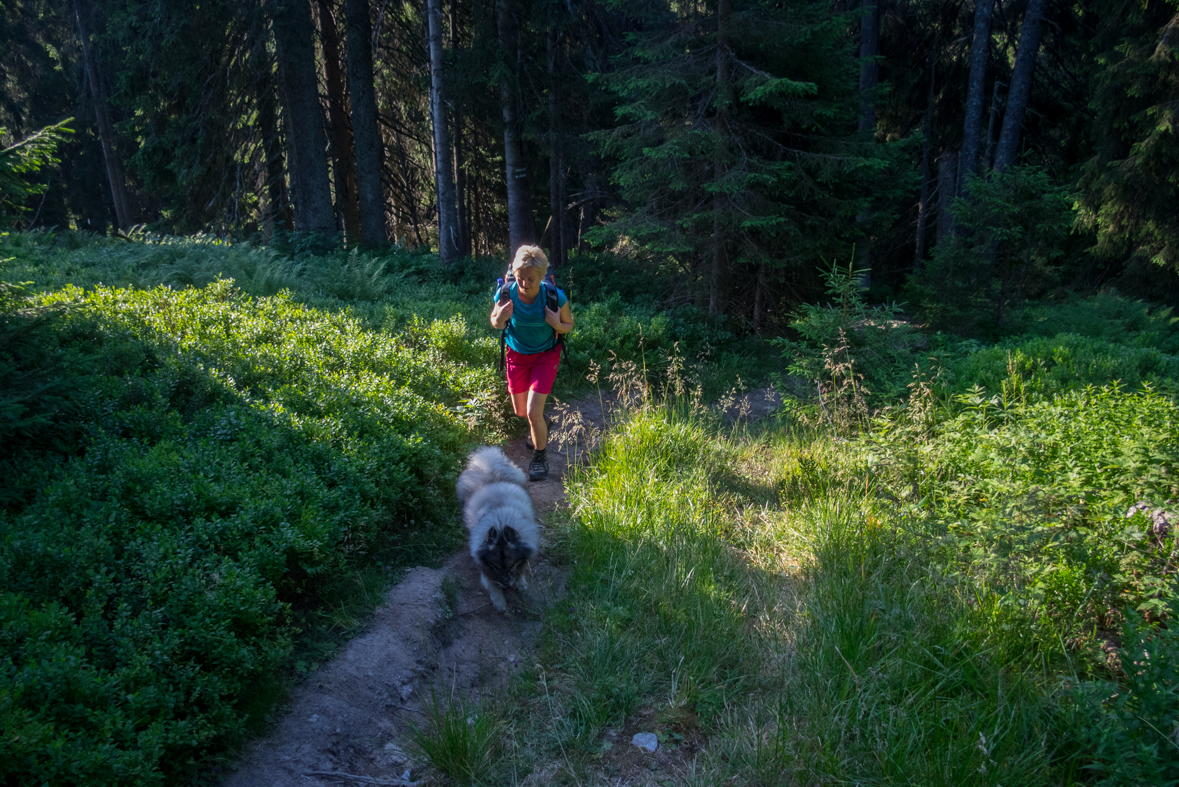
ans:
(1160, 519)
(645, 741)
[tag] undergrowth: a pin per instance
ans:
(973, 586)
(215, 486)
(216, 457)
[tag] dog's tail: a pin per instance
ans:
(487, 465)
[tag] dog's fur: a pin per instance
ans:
(498, 513)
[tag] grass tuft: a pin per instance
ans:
(461, 740)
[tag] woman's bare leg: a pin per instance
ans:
(520, 403)
(530, 405)
(540, 430)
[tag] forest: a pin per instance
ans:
(735, 144)
(247, 251)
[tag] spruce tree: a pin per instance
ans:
(737, 149)
(1130, 185)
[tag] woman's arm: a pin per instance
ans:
(500, 314)
(562, 321)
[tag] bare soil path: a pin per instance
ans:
(436, 635)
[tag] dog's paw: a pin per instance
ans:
(498, 600)
(521, 583)
(497, 595)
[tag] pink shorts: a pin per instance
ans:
(534, 372)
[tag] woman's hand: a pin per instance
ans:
(562, 321)
(501, 313)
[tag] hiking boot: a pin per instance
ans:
(548, 427)
(538, 470)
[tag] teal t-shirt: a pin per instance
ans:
(527, 331)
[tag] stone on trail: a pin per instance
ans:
(645, 741)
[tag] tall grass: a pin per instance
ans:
(895, 607)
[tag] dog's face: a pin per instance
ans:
(503, 555)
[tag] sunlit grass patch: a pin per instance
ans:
(807, 600)
(666, 611)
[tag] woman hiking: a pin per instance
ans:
(533, 352)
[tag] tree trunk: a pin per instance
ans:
(83, 13)
(303, 118)
(462, 197)
(926, 152)
(274, 209)
(521, 227)
(759, 299)
(947, 188)
(365, 132)
(448, 229)
(869, 68)
(869, 79)
(343, 163)
(723, 97)
(994, 116)
(1021, 84)
(478, 242)
(979, 56)
(556, 197)
(594, 194)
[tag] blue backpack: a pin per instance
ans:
(503, 293)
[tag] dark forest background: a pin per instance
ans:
(970, 156)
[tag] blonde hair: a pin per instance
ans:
(530, 257)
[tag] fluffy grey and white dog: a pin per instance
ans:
(499, 516)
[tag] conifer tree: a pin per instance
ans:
(366, 136)
(303, 117)
(736, 147)
(1024, 70)
(1130, 185)
(340, 138)
(521, 225)
(83, 11)
(979, 55)
(448, 225)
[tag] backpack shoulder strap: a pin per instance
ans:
(503, 292)
(552, 299)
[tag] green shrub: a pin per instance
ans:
(854, 352)
(1042, 366)
(234, 456)
(221, 454)
(1105, 316)
(38, 381)
(389, 291)
(1034, 500)
(1128, 727)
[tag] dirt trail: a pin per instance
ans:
(436, 633)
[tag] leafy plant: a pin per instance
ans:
(234, 459)
(1129, 726)
(855, 351)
